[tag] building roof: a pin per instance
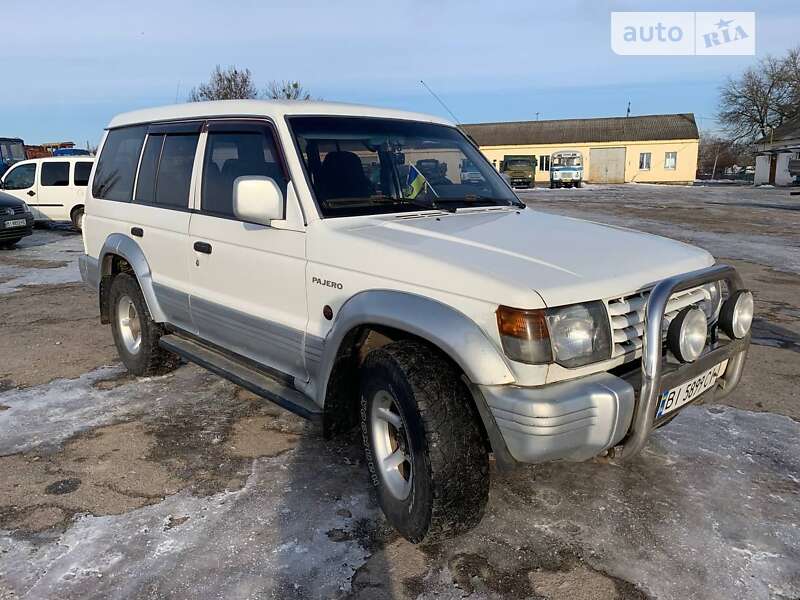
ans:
(789, 130)
(276, 109)
(568, 131)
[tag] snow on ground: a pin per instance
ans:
(56, 245)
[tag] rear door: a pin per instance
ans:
(161, 198)
(55, 193)
(248, 280)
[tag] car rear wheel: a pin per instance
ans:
(77, 218)
(423, 442)
(136, 335)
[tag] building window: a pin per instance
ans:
(670, 160)
(644, 161)
(544, 162)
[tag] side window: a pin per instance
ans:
(82, 172)
(20, 178)
(55, 174)
(175, 170)
(232, 154)
(544, 162)
(148, 169)
(670, 160)
(644, 161)
(116, 167)
(165, 174)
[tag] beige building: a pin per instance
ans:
(652, 148)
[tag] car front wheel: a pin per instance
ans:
(423, 442)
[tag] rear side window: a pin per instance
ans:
(232, 154)
(146, 183)
(55, 174)
(165, 174)
(82, 172)
(116, 167)
(20, 178)
(175, 170)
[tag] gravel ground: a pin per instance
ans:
(185, 486)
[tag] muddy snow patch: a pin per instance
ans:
(28, 263)
(267, 539)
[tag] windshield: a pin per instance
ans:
(565, 161)
(12, 151)
(361, 166)
(518, 164)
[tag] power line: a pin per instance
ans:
(455, 118)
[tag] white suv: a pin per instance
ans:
(54, 188)
(333, 259)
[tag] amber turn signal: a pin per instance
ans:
(524, 335)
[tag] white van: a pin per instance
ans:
(53, 187)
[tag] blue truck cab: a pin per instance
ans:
(11, 150)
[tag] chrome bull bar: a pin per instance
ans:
(652, 356)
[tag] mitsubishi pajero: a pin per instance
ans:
(304, 251)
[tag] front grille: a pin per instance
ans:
(627, 317)
(19, 210)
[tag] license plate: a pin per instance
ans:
(676, 397)
(15, 223)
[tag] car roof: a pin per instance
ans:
(82, 158)
(275, 109)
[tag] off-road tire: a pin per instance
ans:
(578, 184)
(450, 483)
(76, 216)
(150, 359)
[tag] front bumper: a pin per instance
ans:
(12, 233)
(578, 419)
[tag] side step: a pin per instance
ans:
(242, 374)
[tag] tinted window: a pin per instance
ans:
(235, 154)
(175, 170)
(82, 171)
(20, 178)
(55, 174)
(116, 167)
(146, 183)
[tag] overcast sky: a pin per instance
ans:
(68, 67)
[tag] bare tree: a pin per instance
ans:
(762, 98)
(717, 153)
(286, 90)
(226, 84)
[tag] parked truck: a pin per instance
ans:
(11, 150)
(520, 170)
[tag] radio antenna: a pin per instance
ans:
(425, 85)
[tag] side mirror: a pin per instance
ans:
(257, 199)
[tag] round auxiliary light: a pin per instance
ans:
(686, 336)
(736, 315)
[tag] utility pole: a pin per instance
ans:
(537, 115)
(628, 113)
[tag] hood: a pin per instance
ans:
(519, 258)
(9, 200)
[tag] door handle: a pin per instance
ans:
(203, 247)
(137, 231)
(31, 193)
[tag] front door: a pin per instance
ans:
(248, 280)
(20, 182)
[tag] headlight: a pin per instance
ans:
(736, 315)
(687, 333)
(571, 336)
(713, 301)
